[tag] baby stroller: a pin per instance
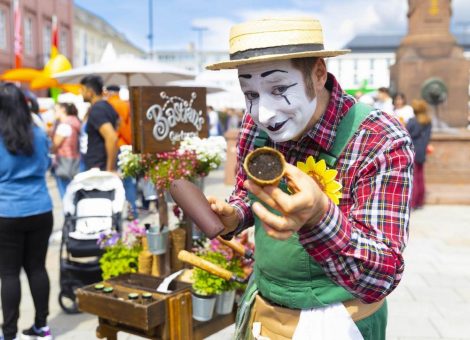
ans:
(93, 204)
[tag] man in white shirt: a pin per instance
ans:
(384, 101)
(213, 121)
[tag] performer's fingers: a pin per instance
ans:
(289, 204)
(279, 223)
(279, 235)
(220, 207)
(260, 192)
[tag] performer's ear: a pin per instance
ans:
(319, 74)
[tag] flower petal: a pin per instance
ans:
(334, 198)
(333, 187)
(303, 167)
(320, 167)
(310, 163)
(329, 175)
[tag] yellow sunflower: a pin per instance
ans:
(324, 177)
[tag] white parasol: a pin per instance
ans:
(127, 71)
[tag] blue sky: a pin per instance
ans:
(173, 19)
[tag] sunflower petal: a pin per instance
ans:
(334, 199)
(310, 163)
(320, 167)
(333, 187)
(302, 166)
(329, 175)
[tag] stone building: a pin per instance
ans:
(91, 35)
(36, 29)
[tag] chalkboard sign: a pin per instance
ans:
(163, 116)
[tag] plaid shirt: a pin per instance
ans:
(359, 243)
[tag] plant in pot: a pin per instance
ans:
(119, 257)
(206, 286)
(225, 300)
(233, 263)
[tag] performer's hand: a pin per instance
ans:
(305, 206)
(227, 214)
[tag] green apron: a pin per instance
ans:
(285, 274)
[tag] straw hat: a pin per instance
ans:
(275, 39)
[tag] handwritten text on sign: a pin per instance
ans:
(164, 116)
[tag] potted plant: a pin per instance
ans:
(205, 287)
(225, 300)
(119, 257)
(121, 253)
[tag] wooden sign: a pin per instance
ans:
(163, 116)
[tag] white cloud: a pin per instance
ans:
(341, 21)
(216, 36)
(339, 26)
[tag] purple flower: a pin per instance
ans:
(112, 239)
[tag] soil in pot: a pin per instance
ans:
(265, 165)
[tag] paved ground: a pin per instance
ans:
(432, 302)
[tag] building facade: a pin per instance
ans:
(190, 59)
(370, 60)
(92, 33)
(36, 31)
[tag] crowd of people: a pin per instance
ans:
(29, 148)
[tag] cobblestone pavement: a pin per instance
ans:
(432, 302)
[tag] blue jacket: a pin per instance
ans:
(23, 189)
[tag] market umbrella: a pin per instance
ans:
(127, 71)
(210, 87)
(231, 96)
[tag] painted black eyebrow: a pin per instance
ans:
(246, 76)
(267, 73)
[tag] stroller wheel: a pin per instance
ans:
(68, 304)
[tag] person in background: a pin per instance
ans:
(83, 142)
(403, 111)
(65, 140)
(34, 109)
(101, 126)
(214, 122)
(25, 213)
(419, 128)
(384, 101)
(123, 109)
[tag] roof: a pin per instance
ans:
(88, 18)
(390, 42)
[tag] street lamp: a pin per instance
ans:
(200, 31)
(150, 35)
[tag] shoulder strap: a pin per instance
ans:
(346, 130)
(261, 139)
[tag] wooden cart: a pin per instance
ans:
(163, 317)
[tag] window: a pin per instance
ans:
(46, 42)
(63, 46)
(3, 29)
(28, 35)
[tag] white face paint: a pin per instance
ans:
(276, 98)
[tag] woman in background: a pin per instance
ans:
(419, 128)
(402, 110)
(65, 142)
(25, 213)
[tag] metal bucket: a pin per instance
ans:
(203, 307)
(224, 304)
(158, 241)
(148, 190)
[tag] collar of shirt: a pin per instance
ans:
(323, 132)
